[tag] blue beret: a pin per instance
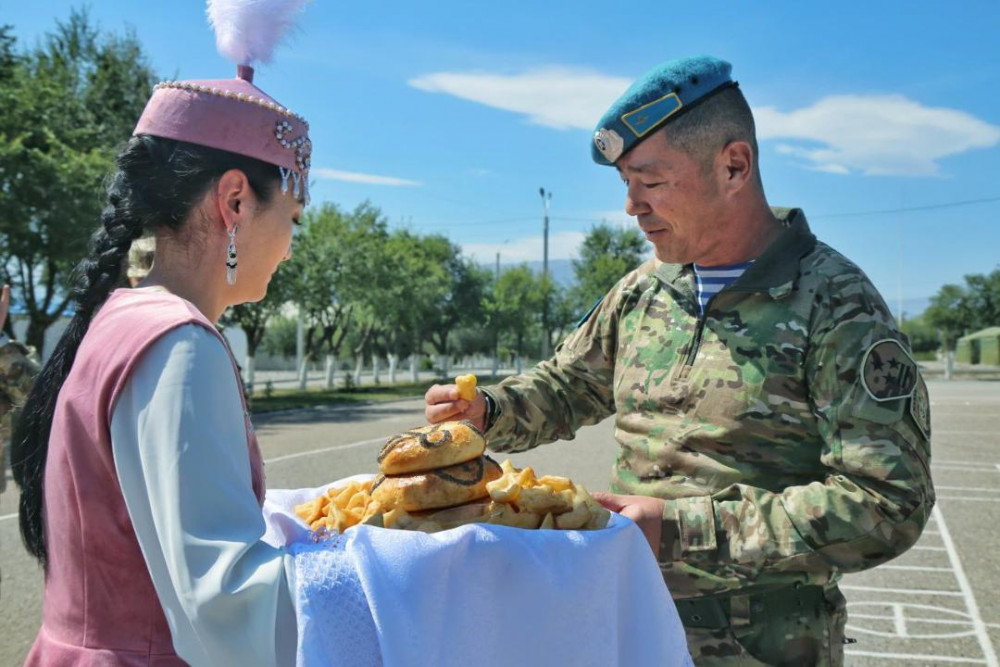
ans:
(658, 96)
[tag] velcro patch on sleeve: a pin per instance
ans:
(920, 408)
(888, 372)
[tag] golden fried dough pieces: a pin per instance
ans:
(500, 495)
(430, 447)
(523, 500)
(340, 508)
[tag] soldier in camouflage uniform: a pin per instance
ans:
(18, 367)
(769, 441)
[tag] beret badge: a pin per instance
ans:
(610, 143)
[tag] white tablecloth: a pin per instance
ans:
(479, 594)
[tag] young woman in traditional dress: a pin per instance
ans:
(141, 479)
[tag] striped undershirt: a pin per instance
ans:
(711, 280)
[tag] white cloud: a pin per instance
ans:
(877, 135)
(356, 177)
(558, 97)
(562, 245)
(872, 134)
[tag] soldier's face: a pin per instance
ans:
(674, 198)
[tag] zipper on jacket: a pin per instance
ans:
(699, 330)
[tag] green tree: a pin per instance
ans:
(950, 313)
(957, 310)
(320, 281)
(983, 299)
(280, 337)
(457, 299)
(416, 280)
(922, 334)
(515, 306)
(607, 254)
(64, 108)
(253, 318)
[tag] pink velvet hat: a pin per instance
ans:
(233, 114)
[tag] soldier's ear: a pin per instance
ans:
(736, 167)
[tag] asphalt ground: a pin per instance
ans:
(936, 605)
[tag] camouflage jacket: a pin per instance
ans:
(787, 429)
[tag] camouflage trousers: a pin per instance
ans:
(794, 626)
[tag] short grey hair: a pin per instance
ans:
(715, 122)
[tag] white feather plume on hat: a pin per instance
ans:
(246, 31)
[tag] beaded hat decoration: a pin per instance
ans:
(233, 114)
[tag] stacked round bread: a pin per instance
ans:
(434, 466)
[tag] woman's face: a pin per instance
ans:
(263, 242)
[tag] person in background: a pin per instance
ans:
(773, 429)
(18, 367)
(141, 477)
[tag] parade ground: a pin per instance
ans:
(936, 605)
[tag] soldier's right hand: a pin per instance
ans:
(443, 404)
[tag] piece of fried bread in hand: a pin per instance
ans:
(466, 387)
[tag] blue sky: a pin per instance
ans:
(450, 115)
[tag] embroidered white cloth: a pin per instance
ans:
(478, 594)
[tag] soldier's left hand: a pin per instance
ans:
(647, 513)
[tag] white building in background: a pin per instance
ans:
(237, 339)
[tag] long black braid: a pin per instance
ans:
(156, 184)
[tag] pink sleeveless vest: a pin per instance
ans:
(100, 607)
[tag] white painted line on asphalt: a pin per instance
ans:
(982, 500)
(930, 531)
(965, 432)
(923, 548)
(350, 445)
(963, 583)
(978, 464)
(915, 568)
(933, 659)
(963, 468)
(908, 591)
(932, 621)
(8, 516)
(985, 489)
(899, 621)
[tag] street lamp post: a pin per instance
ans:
(546, 198)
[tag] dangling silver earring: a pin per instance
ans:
(231, 257)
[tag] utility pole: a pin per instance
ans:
(546, 198)
(899, 295)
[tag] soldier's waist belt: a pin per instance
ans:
(723, 611)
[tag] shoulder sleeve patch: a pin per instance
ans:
(888, 372)
(920, 408)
